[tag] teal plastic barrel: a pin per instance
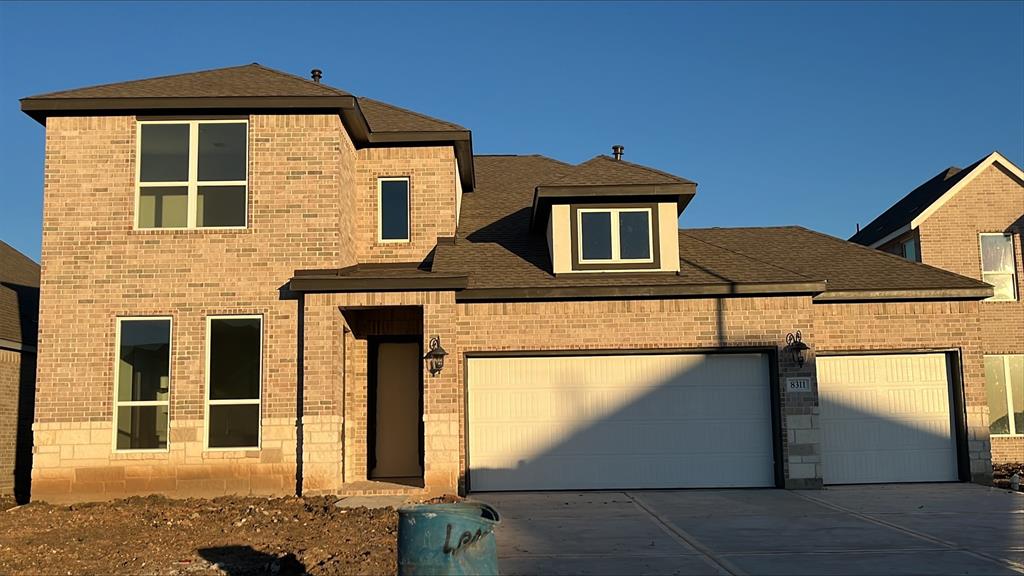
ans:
(447, 539)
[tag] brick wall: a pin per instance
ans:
(96, 268)
(17, 379)
(992, 202)
(432, 197)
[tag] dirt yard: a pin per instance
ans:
(233, 536)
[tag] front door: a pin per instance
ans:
(396, 447)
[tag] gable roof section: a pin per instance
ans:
(254, 87)
(19, 299)
(604, 178)
(914, 208)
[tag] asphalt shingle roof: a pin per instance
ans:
(236, 81)
(19, 296)
(910, 206)
(384, 117)
(496, 249)
(603, 170)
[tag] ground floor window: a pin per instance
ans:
(233, 374)
(142, 383)
(1004, 384)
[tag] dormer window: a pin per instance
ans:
(614, 237)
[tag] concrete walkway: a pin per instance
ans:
(929, 529)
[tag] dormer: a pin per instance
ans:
(609, 215)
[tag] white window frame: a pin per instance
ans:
(616, 247)
(193, 182)
(1014, 433)
(207, 402)
(1013, 265)
(129, 403)
(408, 210)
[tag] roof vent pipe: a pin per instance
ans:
(617, 151)
(317, 74)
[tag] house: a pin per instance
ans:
(970, 221)
(19, 309)
(256, 283)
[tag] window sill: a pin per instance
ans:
(1020, 436)
(218, 230)
(140, 454)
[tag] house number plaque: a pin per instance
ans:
(794, 385)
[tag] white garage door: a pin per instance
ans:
(623, 421)
(886, 418)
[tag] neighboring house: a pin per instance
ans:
(244, 269)
(970, 221)
(19, 311)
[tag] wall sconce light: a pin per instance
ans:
(796, 348)
(435, 356)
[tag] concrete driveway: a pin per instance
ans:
(890, 529)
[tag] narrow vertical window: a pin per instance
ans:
(192, 174)
(997, 265)
(143, 383)
(393, 209)
(233, 371)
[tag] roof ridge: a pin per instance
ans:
(878, 252)
(413, 112)
(748, 256)
(640, 166)
(339, 91)
(744, 227)
(140, 80)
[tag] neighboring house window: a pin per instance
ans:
(997, 265)
(233, 373)
(393, 209)
(615, 235)
(909, 250)
(142, 383)
(192, 174)
(1004, 384)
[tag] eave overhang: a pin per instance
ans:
(39, 109)
(545, 196)
(641, 291)
(979, 293)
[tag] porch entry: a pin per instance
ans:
(395, 419)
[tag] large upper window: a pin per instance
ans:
(997, 265)
(233, 373)
(192, 174)
(614, 235)
(1004, 384)
(393, 209)
(142, 383)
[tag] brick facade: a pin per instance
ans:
(17, 379)
(312, 204)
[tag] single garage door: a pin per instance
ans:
(619, 421)
(886, 418)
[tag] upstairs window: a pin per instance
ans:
(142, 385)
(908, 250)
(192, 174)
(393, 209)
(614, 237)
(997, 265)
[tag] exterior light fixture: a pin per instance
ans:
(435, 356)
(796, 347)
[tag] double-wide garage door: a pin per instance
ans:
(619, 421)
(886, 418)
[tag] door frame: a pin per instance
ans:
(372, 344)
(775, 407)
(957, 399)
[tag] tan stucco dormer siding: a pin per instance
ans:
(666, 244)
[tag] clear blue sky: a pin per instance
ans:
(785, 113)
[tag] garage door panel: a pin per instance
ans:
(886, 418)
(623, 421)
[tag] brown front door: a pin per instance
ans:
(396, 446)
